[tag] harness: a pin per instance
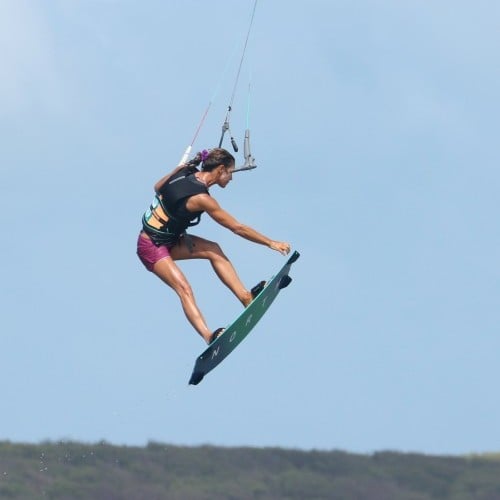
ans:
(171, 199)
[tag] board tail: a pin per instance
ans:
(196, 378)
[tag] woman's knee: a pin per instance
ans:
(215, 248)
(182, 288)
(216, 253)
(210, 250)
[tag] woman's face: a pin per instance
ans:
(225, 175)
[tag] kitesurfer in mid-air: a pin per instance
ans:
(181, 197)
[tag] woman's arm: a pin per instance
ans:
(204, 202)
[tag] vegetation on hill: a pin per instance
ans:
(74, 471)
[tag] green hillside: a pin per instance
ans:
(73, 471)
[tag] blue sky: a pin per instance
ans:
(375, 127)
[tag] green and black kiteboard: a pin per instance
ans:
(218, 350)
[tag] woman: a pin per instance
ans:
(181, 197)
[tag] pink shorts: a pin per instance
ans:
(149, 253)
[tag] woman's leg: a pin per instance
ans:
(205, 249)
(166, 269)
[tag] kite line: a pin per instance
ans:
(249, 159)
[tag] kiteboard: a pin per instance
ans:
(221, 347)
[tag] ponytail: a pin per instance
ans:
(194, 162)
(210, 159)
(216, 157)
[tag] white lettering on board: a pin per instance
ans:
(249, 320)
(233, 336)
(215, 352)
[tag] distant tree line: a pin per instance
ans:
(75, 471)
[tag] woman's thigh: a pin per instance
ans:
(168, 271)
(199, 248)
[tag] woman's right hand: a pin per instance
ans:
(280, 246)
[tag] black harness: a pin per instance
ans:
(172, 198)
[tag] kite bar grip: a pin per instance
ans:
(249, 159)
(246, 145)
(185, 156)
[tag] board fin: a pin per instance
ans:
(284, 281)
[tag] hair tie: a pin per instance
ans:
(204, 155)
